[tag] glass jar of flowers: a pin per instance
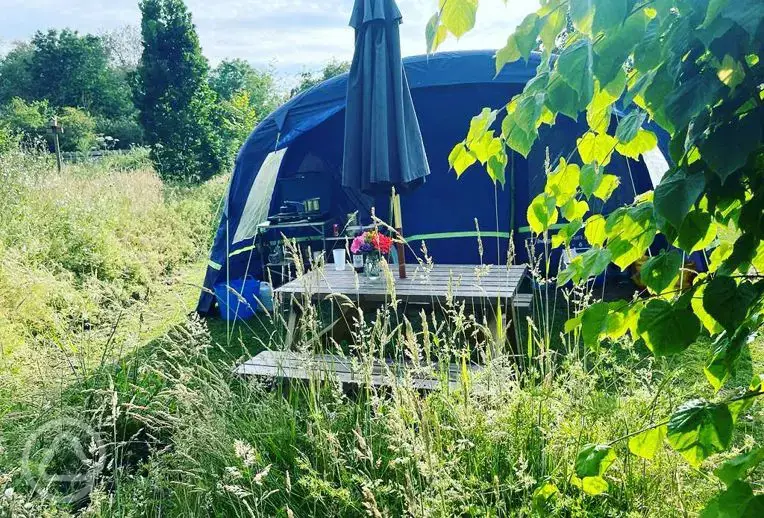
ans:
(373, 245)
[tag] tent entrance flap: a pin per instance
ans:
(259, 199)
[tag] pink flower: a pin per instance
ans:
(357, 243)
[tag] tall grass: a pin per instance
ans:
(183, 436)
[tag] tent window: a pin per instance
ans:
(656, 165)
(259, 199)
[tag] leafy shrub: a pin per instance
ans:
(9, 139)
(79, 130)
(29, 119)
(126, 131)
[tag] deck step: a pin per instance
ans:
(293, 365)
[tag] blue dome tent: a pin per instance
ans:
(296, 153)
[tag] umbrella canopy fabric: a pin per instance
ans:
(383, 142)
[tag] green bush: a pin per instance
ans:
(79, 130)
(126, 131)
(9, 139)
(28, 119)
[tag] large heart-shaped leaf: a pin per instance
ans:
(594, 459)
(661, 271)
(647, 443)
(676, 194)
(727, 302)
(736, 468)
(667, 329)
(699, 429)
(542, 213)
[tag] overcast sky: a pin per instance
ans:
(292, 35)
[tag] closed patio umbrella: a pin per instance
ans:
(383, 142)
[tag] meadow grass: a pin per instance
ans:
(101, 266)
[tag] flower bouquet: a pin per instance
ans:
(373, 245)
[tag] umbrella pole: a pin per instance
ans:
(398, 225)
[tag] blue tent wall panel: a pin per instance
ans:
(448, 89)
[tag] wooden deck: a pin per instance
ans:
(292, 365)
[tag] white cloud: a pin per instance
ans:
(290, 34)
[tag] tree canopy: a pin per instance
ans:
(693, 69)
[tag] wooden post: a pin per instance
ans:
(57, 129)
(398, 225)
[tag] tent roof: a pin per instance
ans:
(312, 107)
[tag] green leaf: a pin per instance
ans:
(542, 213)
(526, 34)
(755, 507)
(607, 186)
(596, 148)
(697, 231)
(608, 14)
(563, 182)
(486, 147)
(497, 166)
(727, 351)
(561, 98)
(711, 325)
(727, 147)
(727, 302)
(642, 142)
(730, 72)
(435, 33)
(741, 406)
(458, 16)
(676, 194)
(575, 67)
(543, 494)
(480, 124)
(731, 503)
(661, 271)
(647, 443)
(589, 264)
(591, 178)
(667, 329)
(594, 485)
(594, 231)
(600, 110)
(582, 15)
(594, 459)
(594, 324)
(698, 429)
(630, 231)
(565, 235)
(614, 47)
(574, 209)
(527, 111)
(737, 467)
(629, 126)
(460, 159)
(552, 24)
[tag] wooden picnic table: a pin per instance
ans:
(485, 287)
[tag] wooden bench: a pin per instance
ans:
(293, 365)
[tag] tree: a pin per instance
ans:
(310, 79)
(234, 76)
(15, 75)
(694, 69)
(175, 101)
(73, 70)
